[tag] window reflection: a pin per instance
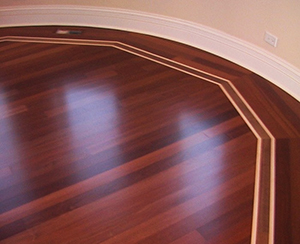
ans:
(198, 149)
(92, 117)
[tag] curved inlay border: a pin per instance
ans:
(263, 221)
(252, 57)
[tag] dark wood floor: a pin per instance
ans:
(115, 137)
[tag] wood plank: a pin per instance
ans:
(136, 142)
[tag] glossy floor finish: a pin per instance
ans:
(134, 139)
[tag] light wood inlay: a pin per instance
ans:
(167, 116)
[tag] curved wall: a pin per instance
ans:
(232, 29)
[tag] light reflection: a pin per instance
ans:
(12, 150)
(91, 112)
(199, 151)
(94, 119)
(203, 164)
(9, 151)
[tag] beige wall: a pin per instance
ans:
(245, 19)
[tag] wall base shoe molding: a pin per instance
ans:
(256, 59)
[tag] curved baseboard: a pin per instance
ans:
(256, 59)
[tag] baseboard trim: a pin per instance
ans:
(256, 59)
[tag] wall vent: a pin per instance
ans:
(68, 32)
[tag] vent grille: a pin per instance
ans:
(68, 32)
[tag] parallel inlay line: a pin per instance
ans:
(250, 117)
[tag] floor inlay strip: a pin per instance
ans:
(253, 121)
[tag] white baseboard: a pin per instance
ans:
(256, 59)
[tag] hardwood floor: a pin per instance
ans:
(116, 137)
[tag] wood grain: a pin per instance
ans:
(116, 137)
